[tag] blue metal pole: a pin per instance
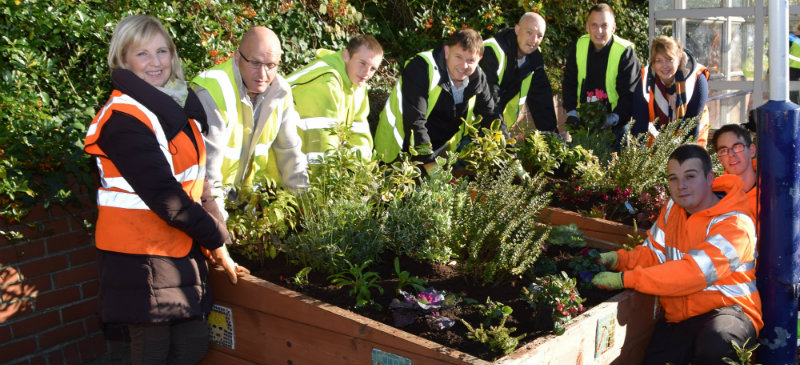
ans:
(778, 267)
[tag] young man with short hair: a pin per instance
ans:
(333, 89)
(736, 151)
(699, 259)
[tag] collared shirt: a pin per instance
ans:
(458, 92)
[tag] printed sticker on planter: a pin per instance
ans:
(385, 358)
(220, 326)
(604, 339)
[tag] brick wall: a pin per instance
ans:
(48, 287)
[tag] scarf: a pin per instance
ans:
(670, 102)
(176, 90)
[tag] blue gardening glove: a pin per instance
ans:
(611, 121)
(608, 280)
(609, 259)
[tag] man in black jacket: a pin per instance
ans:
(515, 71)
(449, 79)
(601, 60)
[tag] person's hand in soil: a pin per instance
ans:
(221, 257)
(608, 280)
(609, 259)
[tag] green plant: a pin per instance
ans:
(498, 237)
(301, 278)
(591, 133)
(586, 266)
(361, 283)
(541, 152)
(486, 150)
(260, 216)
(743, 353)
(496, 338)
(494, 311)
(405, 279)
(558, 293)
(566, 235)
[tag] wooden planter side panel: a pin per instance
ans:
(633, 313)
(591, 227)
(275, 325)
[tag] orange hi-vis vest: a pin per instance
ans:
(699, 263)
(125, 223)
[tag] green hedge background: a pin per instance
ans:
(55, 76)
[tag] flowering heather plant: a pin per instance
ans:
(607, 203)
(558, 293)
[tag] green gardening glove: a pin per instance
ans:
(609, 259)
(608, 280)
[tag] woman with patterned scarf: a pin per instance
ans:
(674, 87)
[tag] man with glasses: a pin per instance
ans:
(736, 152)
(251, 117)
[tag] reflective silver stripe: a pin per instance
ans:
(794, 58)
(651, 128)
(725, 216)
(673, 253)
(658, 235)
(92, 129)
(435, 73)
(501, 63)
(116, 199)
(228, 94)
(659, 254)
(705, 264)
(360, 127)
(317, 123)
(391, 118)
(194, 172)
(735, 290)
(727, 249)
(262, 149)
(747, 266)
(115, 182)
(670, 203)
(312, 67)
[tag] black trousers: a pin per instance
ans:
(703, 339)
(177, 342)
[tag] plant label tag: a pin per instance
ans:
(220, 326)
(385, 358)
(604, 339)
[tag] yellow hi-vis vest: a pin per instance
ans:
(389, 134)
(618, 47)
(324, 96)
(240, 164)
(794, 51)
(124, 222)
(514, 106)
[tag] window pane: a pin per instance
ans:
(704, 40)
(664, 4)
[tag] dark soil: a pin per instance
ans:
(440, 277)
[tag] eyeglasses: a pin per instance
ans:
(255, 65)
(736, 148)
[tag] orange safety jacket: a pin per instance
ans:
(125, 223)
(752, 194)
(699, 263)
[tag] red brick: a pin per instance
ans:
(90, 289)
(35, 324)
(83, 255)
(67, 241)
(5, 334)
(28, 362)
(55, 357)
(40, 283)
(43, 266)
(21, 252)
(57, 226)
(93, 324)
(79, 311)
(57, 298)
(61, 335)
(75, 275)
(58, 211)
(72, 354)
(12, 350)
(37, 213)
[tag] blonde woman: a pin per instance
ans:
(674, 87)
(151, 224)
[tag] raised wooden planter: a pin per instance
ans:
(270, 324)
(596, 228)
